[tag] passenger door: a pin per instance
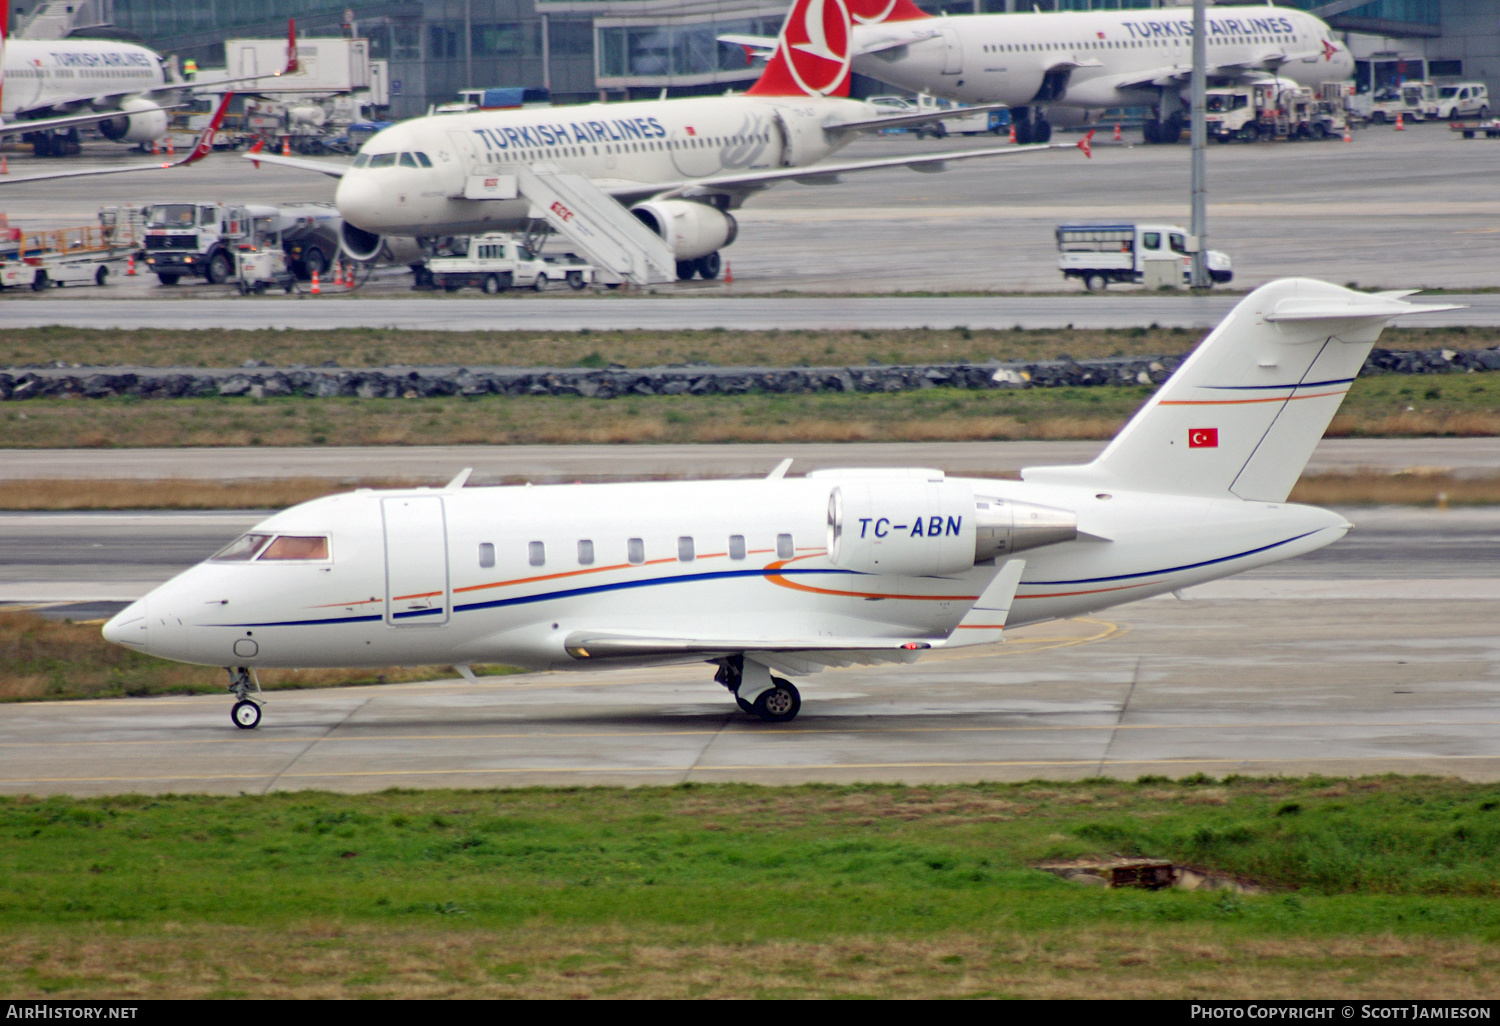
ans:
(417, 590)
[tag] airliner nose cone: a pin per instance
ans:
(360, 201)
(128, 626)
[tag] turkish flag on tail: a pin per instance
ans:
(1203, 438)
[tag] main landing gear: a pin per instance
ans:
(758, 693)
(245, 714)
(705, 267)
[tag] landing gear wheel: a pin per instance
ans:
(780, 704)
(491, 285)
(540, 284)
(1041, 132)
(246, 715)
(1151, 132)
(708, 266)
(1095, 283)
(686, 269)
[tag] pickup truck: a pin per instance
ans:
(1099, 254)
(499, 261)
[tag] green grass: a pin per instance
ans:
(1373, 885)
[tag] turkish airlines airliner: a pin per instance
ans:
(679, 165)
(1068, 66)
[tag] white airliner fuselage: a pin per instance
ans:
(1073, 62)
(45, 78)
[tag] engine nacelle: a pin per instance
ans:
(692, 229)
(923, 525)
(367, 247)
(142, 121)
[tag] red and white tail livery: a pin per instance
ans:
(812, 55)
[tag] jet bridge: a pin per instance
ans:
(619, 245)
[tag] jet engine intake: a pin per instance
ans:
(367, 247)
(692, 229)
(140, 121)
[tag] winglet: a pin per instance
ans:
(458, 480)
(1086, 144)
(780, 471)
(984, 623)
(205, 144)
(466, 672)
(259, 145)
(292, 65)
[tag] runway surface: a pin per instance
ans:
(699, 313)
(1164, 687)
(1389, 210)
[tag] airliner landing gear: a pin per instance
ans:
(777, 700)
(1031, 125)
(245, 714)
(705, 267)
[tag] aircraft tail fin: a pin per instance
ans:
(292, 64)
(813, 52)
(1244, 412)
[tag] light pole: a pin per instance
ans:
(1199, 277)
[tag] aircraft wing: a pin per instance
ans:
(901, 120)
(70, 120)
(754, 181)
(321, 167)
(586, 645)
(201, 149)
(867, 41)
(1179, 73)
(755, 46)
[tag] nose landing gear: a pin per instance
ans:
(245, 714)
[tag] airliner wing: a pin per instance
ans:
(201, 149)
(755, 46)
(900, 120)
(71, 120)
(322, 167)
(866, 44)
(584, 645)
(1178, 73)
(820, 174)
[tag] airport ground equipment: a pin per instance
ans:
(1472, 129)
(1103, 254)
(784, 576)
(1460, 100)
(196, 239)
(981, 121)
(498, 261)
(1275, 109)
(1409, 99)
(254, 237)
(87, 254)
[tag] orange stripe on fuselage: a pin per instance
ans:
(777, 579)
(1242, 402)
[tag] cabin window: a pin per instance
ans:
(736, 546)
(585, 552)
(242, 548)
(289, 547)
(407, 160)
(635, 551)
(537, 553)
(685, 553)
(486, 554)
(784, 548)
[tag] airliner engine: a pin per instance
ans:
(367, 247)
(692, 229)
(141, 121)
(929, 526)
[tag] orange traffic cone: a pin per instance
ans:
(1400, 124)
(316, 290)
(130, 266)
(171, 147)
(155, 149)
(338, 274)
(4, 165)
(1012, 131)
(1347, 136)
(286, 146)
(1117, 131)
(728, 273)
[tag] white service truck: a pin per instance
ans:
(1099, 254)
(498, 261)
(185, 240)
(1274, 109)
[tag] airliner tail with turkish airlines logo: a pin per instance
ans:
(812, 55)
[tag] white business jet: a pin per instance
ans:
(50, 88)
(679, 165)
(790, 575)
(1066, 67)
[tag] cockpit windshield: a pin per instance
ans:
(373, 160)
(287, 547)
(242, 548)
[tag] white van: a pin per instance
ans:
(1098, 254)
(1460, 100)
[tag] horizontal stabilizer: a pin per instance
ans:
(1357, 306)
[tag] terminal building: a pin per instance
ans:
(583, 50)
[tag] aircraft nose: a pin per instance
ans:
(128, 626)
(360, 201)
